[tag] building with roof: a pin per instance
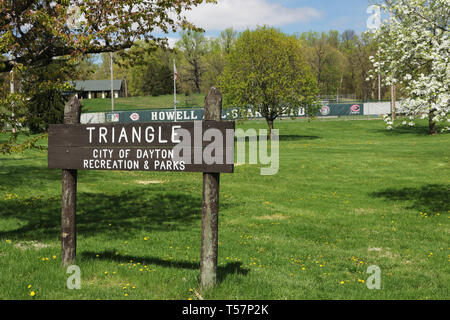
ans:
(91, 89)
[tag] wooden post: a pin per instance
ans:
(72, 113)
(210, 208)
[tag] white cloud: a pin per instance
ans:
(242, 14)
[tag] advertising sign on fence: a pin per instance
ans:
(229, 114)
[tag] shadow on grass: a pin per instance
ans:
(14, 174)
(116, 215)
(296, 137)
(418, 129)
(222, 271)
(431, 198)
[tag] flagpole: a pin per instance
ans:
(174, 90)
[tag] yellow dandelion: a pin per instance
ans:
(32, 293)
(29, 286)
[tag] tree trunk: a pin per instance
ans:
(197, 76)
(431, 123)
(270, 124)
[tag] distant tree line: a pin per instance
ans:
(339, 61)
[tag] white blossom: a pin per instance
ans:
(414, 52)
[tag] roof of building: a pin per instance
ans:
(97, 85)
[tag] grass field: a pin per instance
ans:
(349, 194)
(137, 103)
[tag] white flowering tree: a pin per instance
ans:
(414, 52)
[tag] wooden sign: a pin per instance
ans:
(197, 146)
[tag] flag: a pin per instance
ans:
(175, 72)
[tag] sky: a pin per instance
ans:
(291, 16)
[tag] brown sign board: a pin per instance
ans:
(197, 146)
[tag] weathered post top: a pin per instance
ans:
(72, 111)
(213, 104)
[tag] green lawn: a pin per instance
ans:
(137, 103)
(349, 194)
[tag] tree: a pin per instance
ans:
(365, 47)
(214, 62)
(217, 50)
(148, 68)
(266, 71)
(34, 32)
(227, 39)
(193, 47)
(46, 86)
(326, 60)
(414, 52)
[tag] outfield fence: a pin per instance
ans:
(327, 110)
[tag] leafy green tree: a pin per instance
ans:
(34, 32)
(193, 46)
(227, 39)
(266, 71)
(148, 68)
(326, 60)
(365, 47)
(48, 89)
(214, 60)
(83, 26)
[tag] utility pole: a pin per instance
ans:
(112, 82)
(175, 78)
(11, 84)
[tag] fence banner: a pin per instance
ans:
(341, 110)
(228, 114)
(155, 115)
